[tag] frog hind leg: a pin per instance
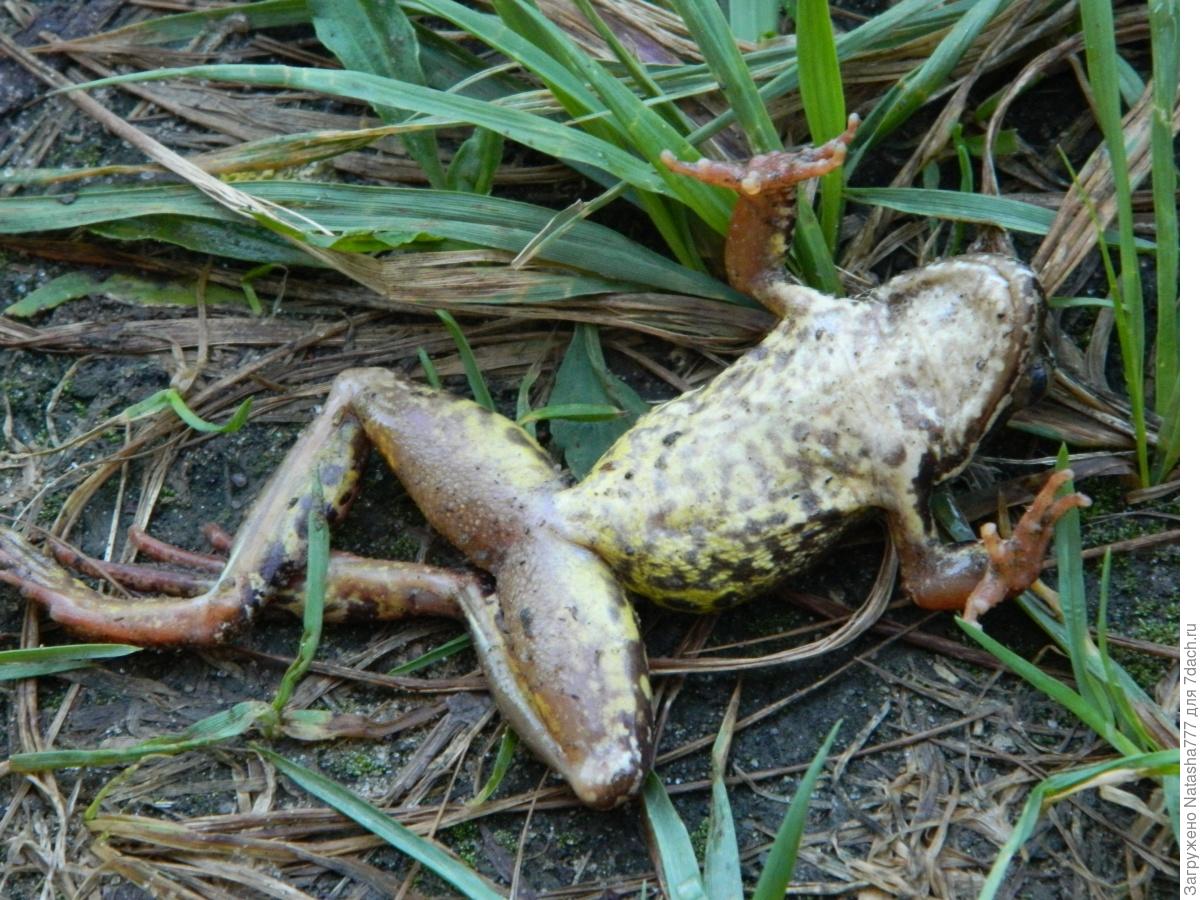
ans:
(357, 588)
(271, 543)
(557, 637)
(975, 577)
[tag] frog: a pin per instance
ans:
(850, 408)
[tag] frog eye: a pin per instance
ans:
(1035, 384)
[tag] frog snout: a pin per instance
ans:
(608, 776)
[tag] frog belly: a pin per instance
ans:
(705, 568)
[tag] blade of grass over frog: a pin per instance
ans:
(214, 729)
(710, 30)
(777, 871)
(314, 596)
(450, 648)
(1131, 767)
(681, 872)
(375, 37)
(354, 807)
(475, 378)
(534, 131)
(572, 412)
(1003, 212)
(1100, 49)
(31, 662)
(722, 865)
(1164, 49)
(170, 398)
(639, 125)
(911, 92)
(820, 80)
(504, 758)
(471, 218)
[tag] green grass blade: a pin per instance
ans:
(314, 596)
(1101, 52)
(824, 102)
(504, 758)
(681, 872)
(777, 871)
(916, 87)
(636, 71)
(753, 20)
(1128, 768)
(475, 379)
(637, 124)
(1068, 546)
(382, 211)
(1051, 687)
(430, 370)
(710, 31)
(1164, 48)
(214, 729)
(722, 865)
(442, 651)
(1003, 212)
(169, 398)
(1125, 683)
(572, 412)
(185, 26)
(378, 823)
(367, 36)
(34, 661)
(475, 162)
(523, 127)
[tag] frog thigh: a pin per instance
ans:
(557, 638)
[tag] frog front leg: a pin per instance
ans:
(557, 638)
(975, 577)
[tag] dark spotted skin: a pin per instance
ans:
(848, 406)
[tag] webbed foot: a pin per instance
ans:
(768, 172)
(1014, 563)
